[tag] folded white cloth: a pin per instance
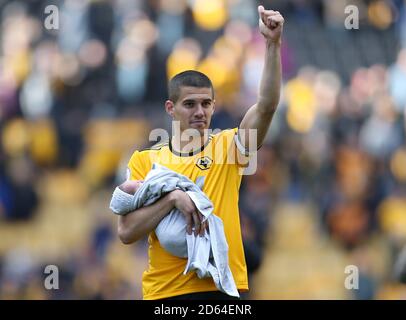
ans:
(207, 255)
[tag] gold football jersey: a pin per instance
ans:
(217, 161)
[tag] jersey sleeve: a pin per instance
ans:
(242, 155)
(136, 168)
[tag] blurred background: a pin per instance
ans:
(75, 102)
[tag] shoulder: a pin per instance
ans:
(224, 133)
(225, 137)
(145, 153)
(156, 147)
(141, 160)
(225, 140)
(231, 141)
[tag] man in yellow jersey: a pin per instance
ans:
(217, 158)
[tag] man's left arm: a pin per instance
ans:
(260, 115)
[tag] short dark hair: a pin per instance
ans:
(189, 78)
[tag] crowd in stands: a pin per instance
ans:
(76, 101)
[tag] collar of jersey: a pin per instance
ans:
(191, 153)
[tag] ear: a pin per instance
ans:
(214, 106)
(169, 107)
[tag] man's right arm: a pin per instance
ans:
(136, 224)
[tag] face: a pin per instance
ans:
(193, 109)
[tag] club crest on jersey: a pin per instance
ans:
(204, 163)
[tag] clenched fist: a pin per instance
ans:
(270, 24)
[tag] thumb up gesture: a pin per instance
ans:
(270, 24)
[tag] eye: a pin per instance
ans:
(207, 104)
(189, 104)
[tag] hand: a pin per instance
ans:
(270, 24)
(193, 217)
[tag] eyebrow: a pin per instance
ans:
(194, 100)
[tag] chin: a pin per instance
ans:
(199, 127)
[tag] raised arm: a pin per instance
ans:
(259, 116)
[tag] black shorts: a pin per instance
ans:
(209, 295)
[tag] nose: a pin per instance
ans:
(199, 111)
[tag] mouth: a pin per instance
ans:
(200, 122)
